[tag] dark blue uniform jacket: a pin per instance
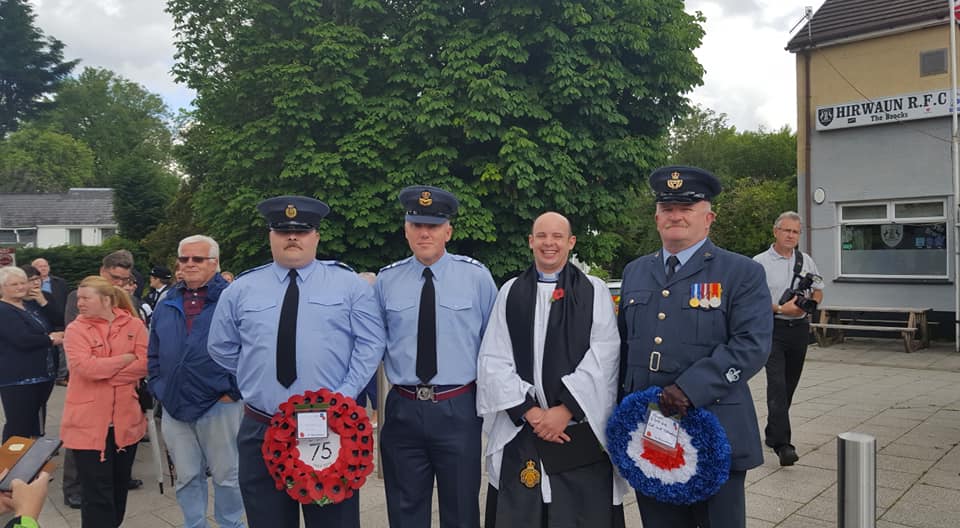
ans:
(709, 353)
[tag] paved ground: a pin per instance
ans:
(909, 402)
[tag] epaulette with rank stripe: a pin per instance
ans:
(470, 260)
(336, 263)
(244, 272)
(395, 264)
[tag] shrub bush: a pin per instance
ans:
(73, 263)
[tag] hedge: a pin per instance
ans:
(73, 263)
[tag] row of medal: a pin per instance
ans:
(706, 295)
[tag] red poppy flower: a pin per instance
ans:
(557, 294)
(286, 410)
(318, 494)
(300, 491)
(335, 489)
(356, 481)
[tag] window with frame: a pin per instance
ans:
(899, 239)
(933, 62)
(106, 233)
(74, 237)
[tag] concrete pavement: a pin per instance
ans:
(909, 402)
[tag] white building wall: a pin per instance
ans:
(50, 236)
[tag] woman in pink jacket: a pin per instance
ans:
(102, 421)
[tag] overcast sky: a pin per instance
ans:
(750, 77)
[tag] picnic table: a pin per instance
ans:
(909, 322)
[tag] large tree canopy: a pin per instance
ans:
(31, 66)
(517, 107)
(126, 128)
(37, 160)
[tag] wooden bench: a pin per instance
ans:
(912, 326)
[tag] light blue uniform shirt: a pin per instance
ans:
(683, 256)
(465, 294)
(340, 335)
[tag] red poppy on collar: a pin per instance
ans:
(557, 294)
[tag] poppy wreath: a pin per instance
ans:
(354, 462)
(692, 474)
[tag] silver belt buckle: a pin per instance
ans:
(425, 393)
(654, 361)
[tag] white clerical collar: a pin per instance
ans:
(547, 277)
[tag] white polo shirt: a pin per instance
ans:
(779, 271)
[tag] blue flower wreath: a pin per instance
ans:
(706, 435)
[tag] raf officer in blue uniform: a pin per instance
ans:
(435, 307)
(694, 319)
(293, 325)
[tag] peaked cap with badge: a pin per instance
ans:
(428, 205)
(682, 184)
(161, 272)
(293, 213)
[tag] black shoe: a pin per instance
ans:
(134, 484)
(788, 455)
(73, 501)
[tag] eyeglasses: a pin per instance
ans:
(196, 260)
(118, 280)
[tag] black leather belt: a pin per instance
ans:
(790, 323)
(433, 393)
(256, 414)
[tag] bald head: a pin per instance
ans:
(551, 241)
(42, 266)
(552, 218)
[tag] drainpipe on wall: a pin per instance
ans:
(807, 178)
(955, 165)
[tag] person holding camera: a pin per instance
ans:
(797, 289)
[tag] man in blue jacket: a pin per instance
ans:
(201, 401)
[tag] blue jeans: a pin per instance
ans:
(210, 442)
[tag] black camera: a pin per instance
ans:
(799, 291)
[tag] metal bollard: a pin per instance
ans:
(856, 480)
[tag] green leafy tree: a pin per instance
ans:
(757, 169)
(746, 212)
(517, 107)
(31, 65)
(705, 139)
(125, 126)
(38, 160)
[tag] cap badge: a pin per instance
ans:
(674, 182)
(425, 199)
(530, 476)
(290, 211)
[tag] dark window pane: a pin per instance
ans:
(894, 249)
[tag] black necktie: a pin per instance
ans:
(672, 263)
(427, 330)
(287, 333)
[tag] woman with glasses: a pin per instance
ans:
(102, 421)
(27, 353)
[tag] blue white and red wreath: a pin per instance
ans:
(693, 474)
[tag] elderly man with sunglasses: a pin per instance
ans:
(201, 401)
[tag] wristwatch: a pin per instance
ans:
(779, 309)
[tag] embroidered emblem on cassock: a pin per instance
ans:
(530, 475)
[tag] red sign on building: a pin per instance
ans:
(8, 256)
